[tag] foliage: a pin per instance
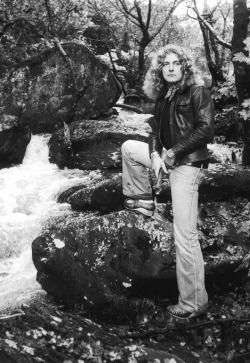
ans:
(242, 58)
(245, 109)
(26, 30)
(133, 28)
(225, 91)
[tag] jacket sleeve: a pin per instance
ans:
(203, 124)
(154, 143)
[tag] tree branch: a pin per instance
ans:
(128, 12)
(49, 12)
(212, 31)
(215, 7)
(140, 20)
(173, 7)
(3, 317)
(124, 12)
(149, 14)
(128, 107)
(183, 327)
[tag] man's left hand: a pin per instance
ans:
(169, 160)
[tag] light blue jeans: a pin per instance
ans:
(184, 182)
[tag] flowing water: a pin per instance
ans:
(28, 194)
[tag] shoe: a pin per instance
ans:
(145, 207)
(179, 313)
(164, 215)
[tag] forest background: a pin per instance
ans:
(125, 33)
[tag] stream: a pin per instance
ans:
(28, 194)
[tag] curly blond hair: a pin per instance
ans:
(155, 85)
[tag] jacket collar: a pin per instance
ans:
(179, 90)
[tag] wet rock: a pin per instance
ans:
(94, 260)
(230, 153)
(105, 196)
(97, 144)
(41, 89)
(46, 333)
(224, 181)
(132, 99)
(14, 139)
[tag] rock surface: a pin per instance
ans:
(220, 184)
(97, 144)
(42, 91)
(94, 260)
(228, 153)
(104, 196)
(13, 141)
(44, 333)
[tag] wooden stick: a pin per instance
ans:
(187, 327)
(10, 316)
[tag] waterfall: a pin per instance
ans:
(27, 197)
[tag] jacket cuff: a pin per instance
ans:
(154, 154)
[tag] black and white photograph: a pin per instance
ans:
(124, 181)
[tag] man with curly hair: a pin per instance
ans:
(181, 128)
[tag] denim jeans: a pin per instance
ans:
(184, 183)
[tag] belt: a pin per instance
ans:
(202, 164)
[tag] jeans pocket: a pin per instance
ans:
(200, 177)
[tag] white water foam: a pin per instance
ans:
(27, 197)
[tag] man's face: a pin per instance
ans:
(171, 70)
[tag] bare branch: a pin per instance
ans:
(68, 12)
(149, 14)
(128, 107)
(187, 327)
(2, 317)
(173, 7)
(124, 10)
(215, 7)
(139, 18)
(49, 12)
(211, 29)
(227, 13)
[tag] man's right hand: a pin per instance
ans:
(157, 164)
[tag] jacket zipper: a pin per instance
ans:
(170, 121)
(160, 122)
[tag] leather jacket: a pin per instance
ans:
(191, 124)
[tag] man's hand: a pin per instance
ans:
(158, 164)
(169, 160)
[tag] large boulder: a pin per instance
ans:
(105, 194)
(97, 144)
(95, 259)
(40, 90)
(226, 153)
(14, 139)
(42, 332)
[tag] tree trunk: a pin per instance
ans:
(214, 68)
(240, 33)
(246, 149)
(242, 69)
(141, 61)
